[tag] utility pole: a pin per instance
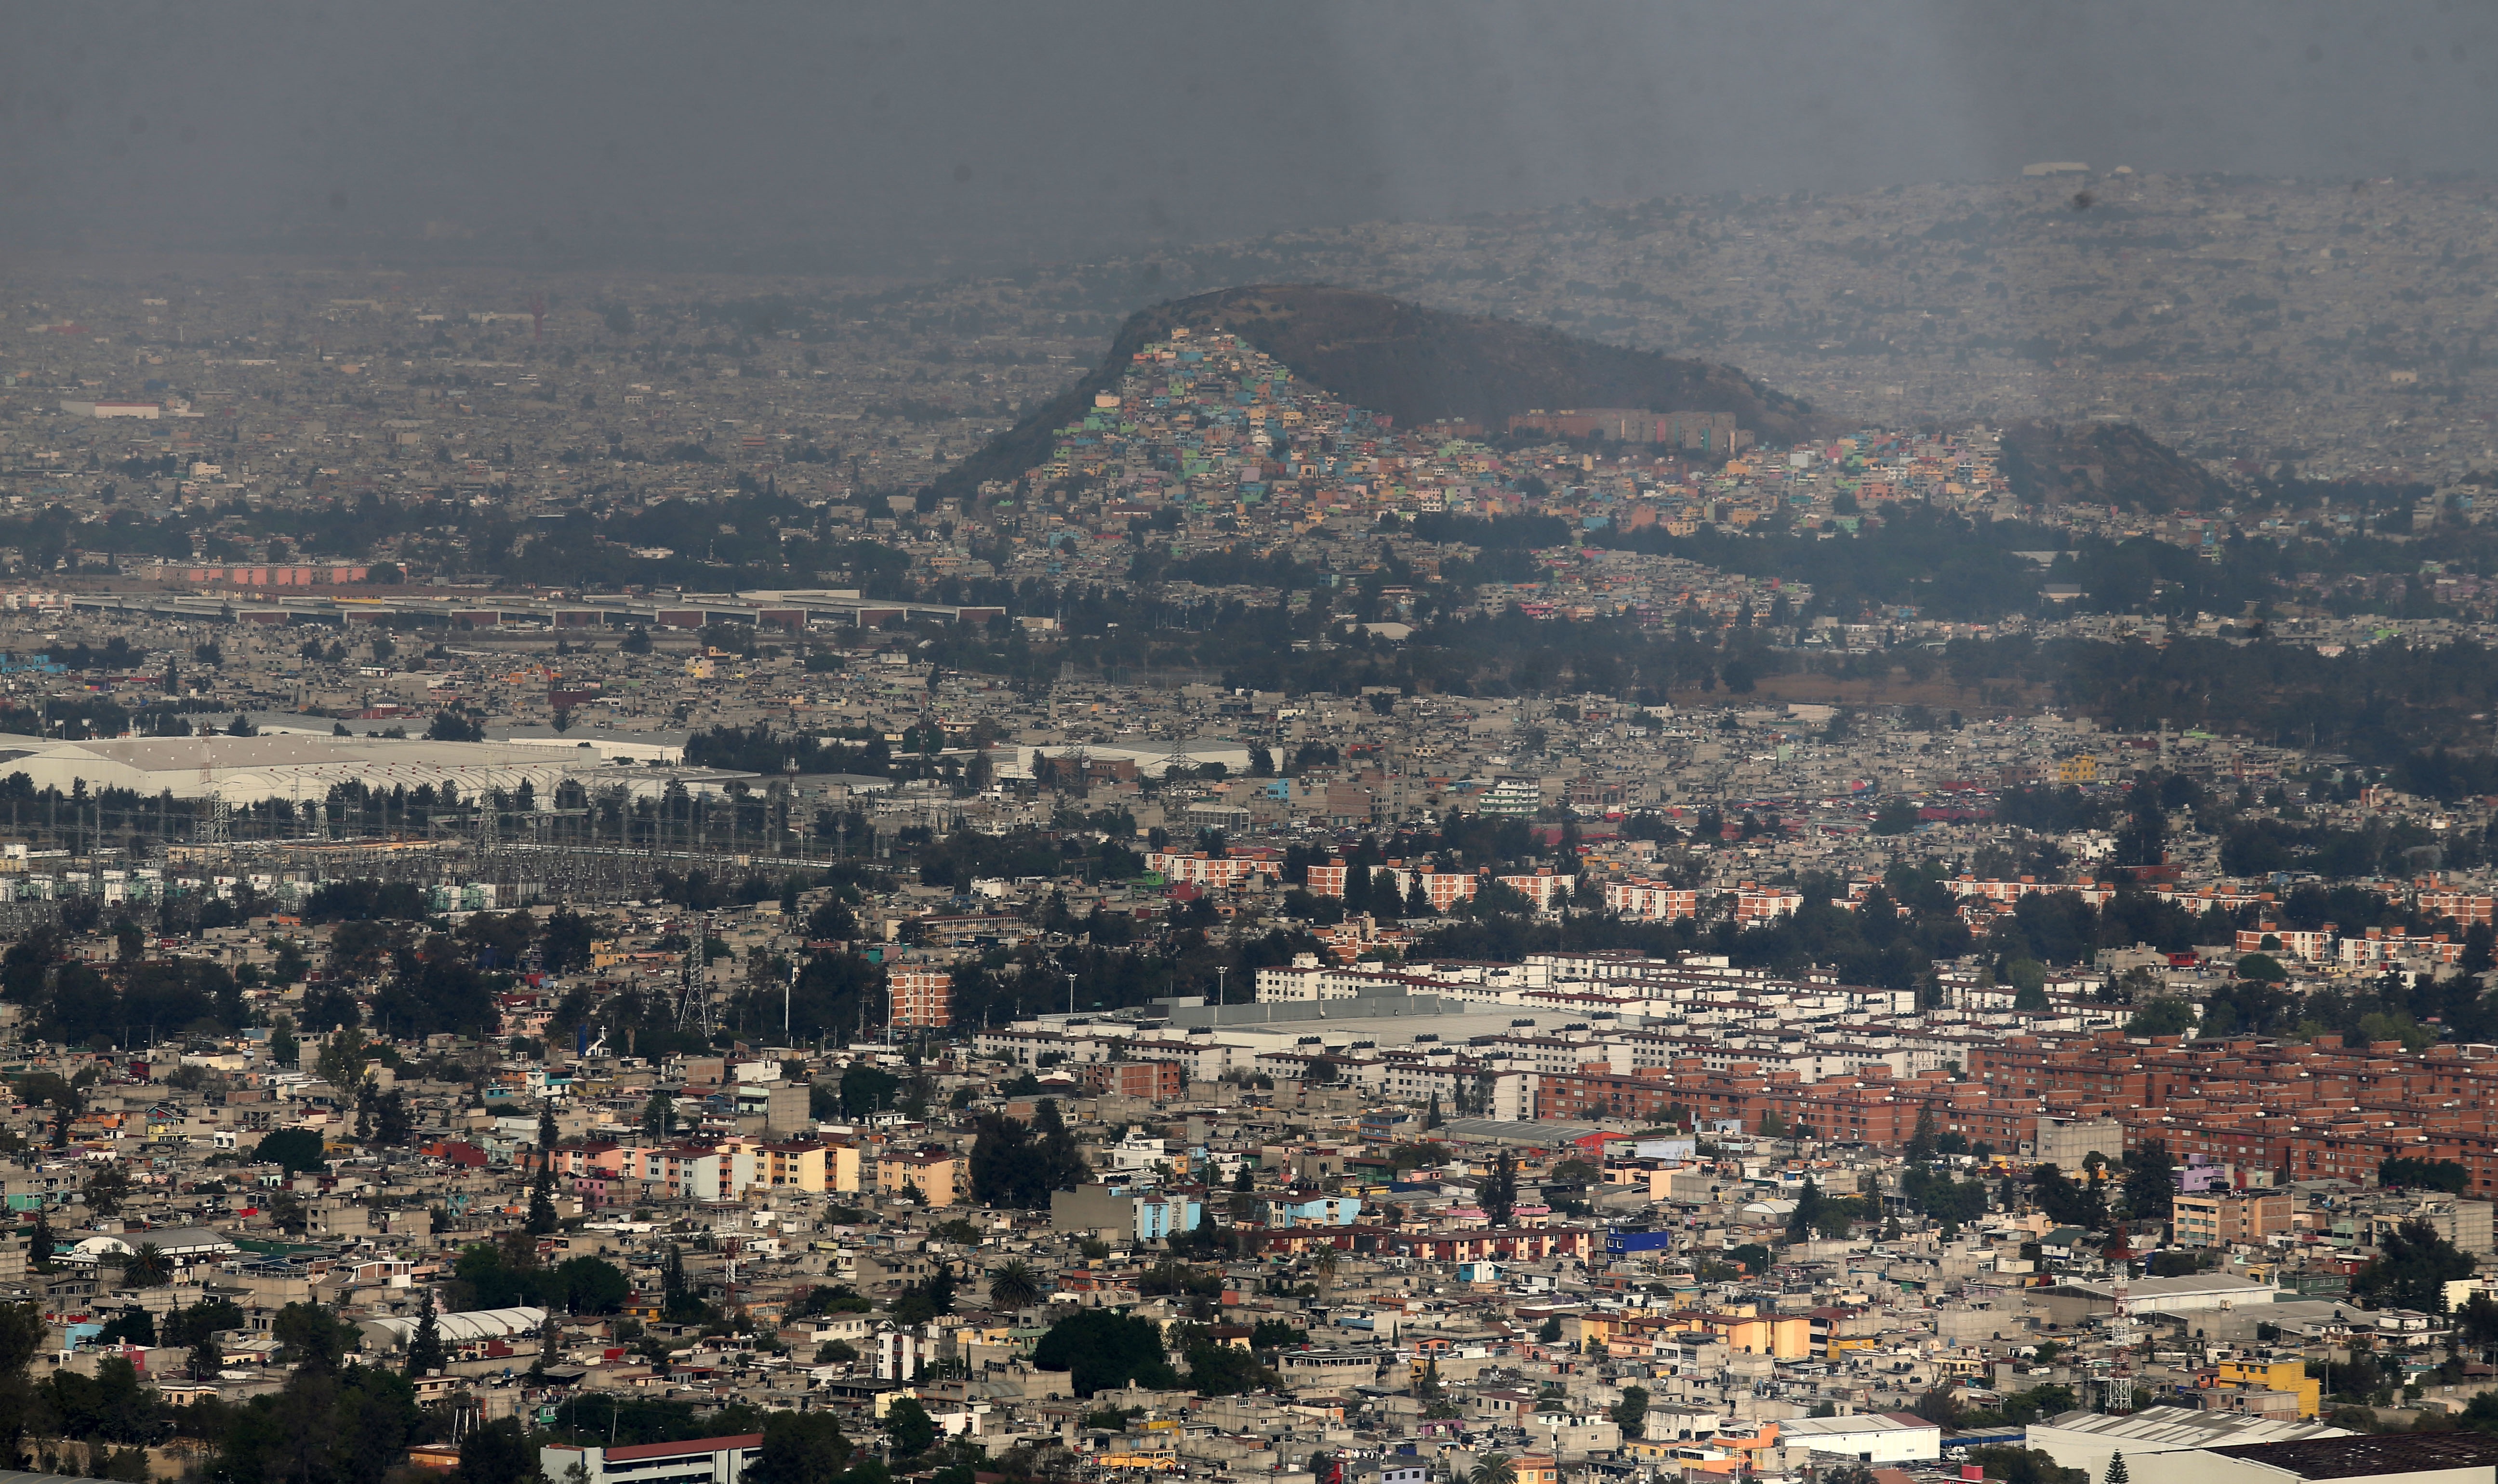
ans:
(1071, 994)
(1220, 970)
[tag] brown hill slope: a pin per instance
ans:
(1412, 363)
(2105, 464)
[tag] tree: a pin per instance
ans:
(910, 1426)
(1494, 1469)
(1921, 1143)
(802, 1449)
(425, 1352)
(21, 1335)
(497, 1453)
(1219, 1370)
(1019, 1167)
(2162, 1018)
(591, 1285)
(341, 1062)
(868, 1089)
(2116, 1472)
(1807, 1216)
(1100, 1348)
(207, 1356)
(2477, 1320)
(286, 1212)
(281, 1040)
(2397, 1171)
(676, 1298)
(299, 1150)
(1015, 1286)
(1003, 1168)
(2411, 1270)
(392, 1125)
(67, 1100)
(135, 1326)
(659, 1115)
(2028, 980)
(1062, 1164)
(542, 1217)
(1500, 1194)
(147, 1268)
(2066, 1203)
(317, 1339)
(919, 1302)
(108, 1187)
(2149, 1180)
(2480, 950)
(1630, 1414)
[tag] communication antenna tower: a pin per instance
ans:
(2119, 1382)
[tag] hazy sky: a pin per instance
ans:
(926, 137)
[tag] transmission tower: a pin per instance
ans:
(693, 1001)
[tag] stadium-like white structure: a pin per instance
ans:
(247, 770)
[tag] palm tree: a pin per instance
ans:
(1324, 1263)
(1015, 1286)
(147, 1268)
(1496, 1469)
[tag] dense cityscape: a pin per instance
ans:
(627, 879)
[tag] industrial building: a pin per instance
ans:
(249, 770)
(694, 1461)
(2087, 1440)
(1870, 1437)
(476, 1327)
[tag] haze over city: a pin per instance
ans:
(1318, 744)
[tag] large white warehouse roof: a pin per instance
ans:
(246, 770)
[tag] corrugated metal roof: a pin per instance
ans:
(461, 1329)
(2177, 1426)
(736, 1442)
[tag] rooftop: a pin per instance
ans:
(2364, 1456)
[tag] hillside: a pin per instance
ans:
(1412, 363)
(2107, 463)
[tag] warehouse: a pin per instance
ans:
(247, 770)
(2087, 1440)
(472, 1330)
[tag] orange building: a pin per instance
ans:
(922, 996)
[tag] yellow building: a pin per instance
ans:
(2079, 768)
(934, 1179)
(1785, 1336)
(803, 1165)
(2287, 1376)
(2219, 1218)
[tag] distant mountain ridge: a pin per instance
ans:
(1415, 364)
